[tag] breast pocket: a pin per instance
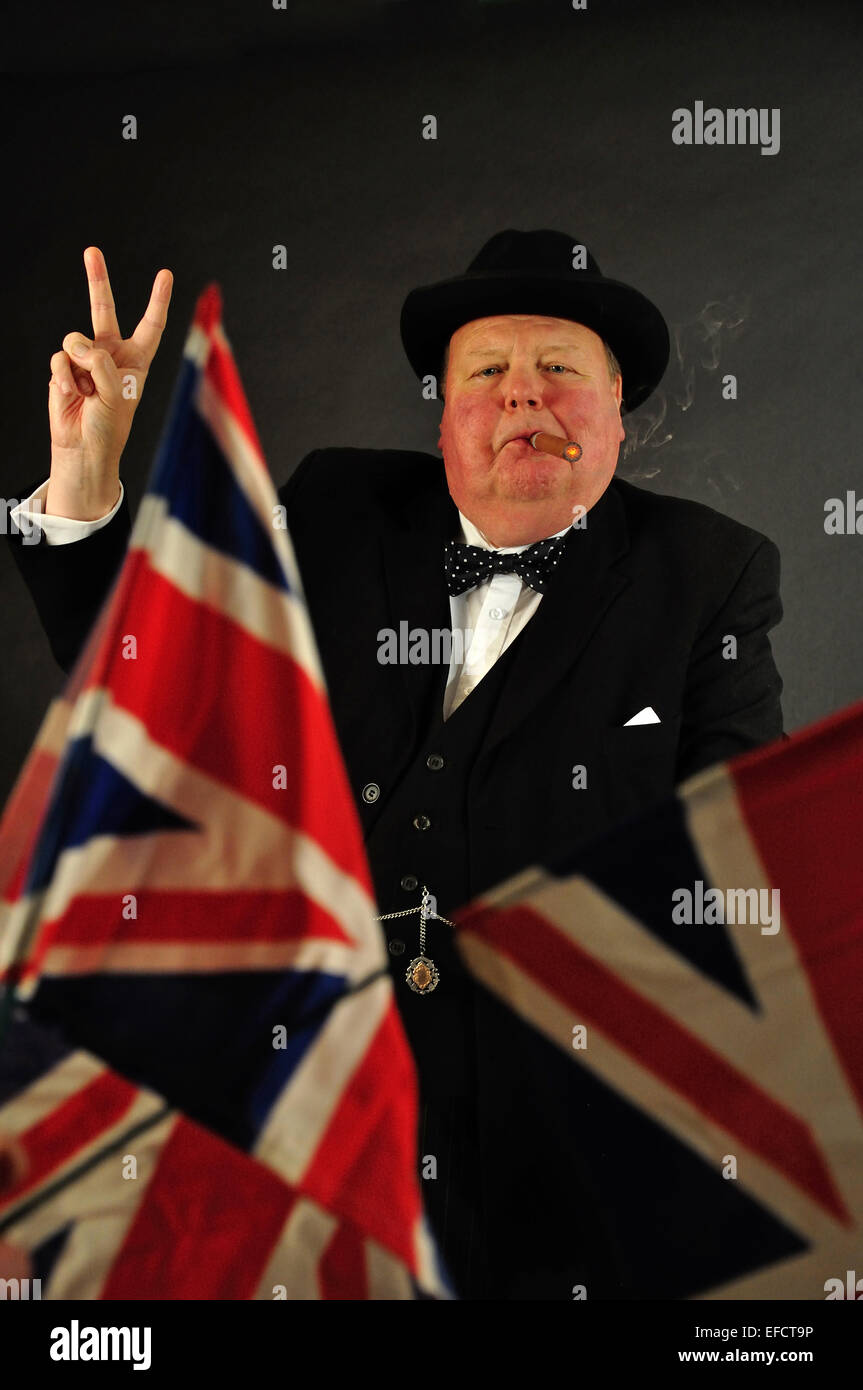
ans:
(639, 764)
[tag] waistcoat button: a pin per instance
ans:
(396, 947)
(434, 762)
(371, 792)
(409, 883)
(422, 823)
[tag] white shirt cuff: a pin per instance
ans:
(56, 530)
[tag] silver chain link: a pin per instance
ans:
(425, 916)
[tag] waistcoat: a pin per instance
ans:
(422, 836)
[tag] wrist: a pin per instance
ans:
(81, 493)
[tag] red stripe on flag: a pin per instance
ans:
(198, 683)
(181, 916)
(221, 372)
(22, 820)
(342, 1269)
(73, 1124)
(190, 1239)
(208, 310)
(364, 1167)
(803, 807)
(104, 644)
(680, 1060)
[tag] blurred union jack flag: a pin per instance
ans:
(703, 1082)
(119, 1196)
(185, 894)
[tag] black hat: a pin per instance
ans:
(532, 273)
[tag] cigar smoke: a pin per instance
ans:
(660, 438)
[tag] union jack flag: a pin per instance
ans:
(122, 1197)
(711, 1071)
(185, 891)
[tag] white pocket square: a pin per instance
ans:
(647, 715)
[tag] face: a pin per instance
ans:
(507, 377)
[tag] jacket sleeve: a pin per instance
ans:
(69, 583)
(733, 689)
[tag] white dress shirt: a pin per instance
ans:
(484, 619)
(57, 530)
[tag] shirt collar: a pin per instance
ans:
(472, 535)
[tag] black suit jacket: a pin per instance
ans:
(643, 620)
(641, 611)
(638, 614)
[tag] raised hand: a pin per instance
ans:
(95, 387)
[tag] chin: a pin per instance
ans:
(533, 480)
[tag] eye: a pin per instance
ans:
(557, 368)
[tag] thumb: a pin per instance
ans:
(101, 366)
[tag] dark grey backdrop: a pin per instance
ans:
(303, 127)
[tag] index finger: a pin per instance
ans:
(149, 331)
(102, 310)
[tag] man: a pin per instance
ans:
(616, 642)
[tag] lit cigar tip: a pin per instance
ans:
(552, 444)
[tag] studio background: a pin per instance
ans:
(303, 127)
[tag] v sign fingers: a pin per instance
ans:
(148, 333)
(96, 387)
(102, 310)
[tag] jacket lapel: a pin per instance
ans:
(587, 581)
(585, 584)
(413, 560)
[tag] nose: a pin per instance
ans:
(523, 388)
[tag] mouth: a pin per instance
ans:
(523, 437)
(568, 450)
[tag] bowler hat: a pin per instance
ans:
(533, 273)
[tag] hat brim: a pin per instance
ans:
(632, 326)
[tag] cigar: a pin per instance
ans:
(553, 444)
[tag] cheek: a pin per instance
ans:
(590, 408)
(600, 418)
(462, 425)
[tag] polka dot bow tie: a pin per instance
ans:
(469, 565)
